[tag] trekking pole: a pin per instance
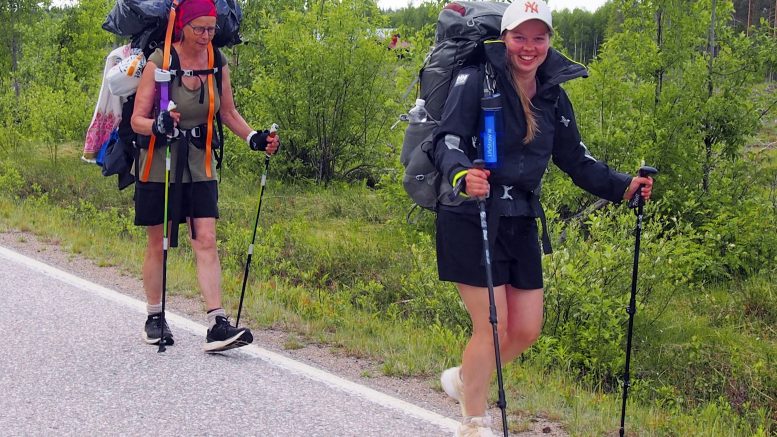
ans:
(502, 402)
(170, 107)
(273, 130)
(636, 202)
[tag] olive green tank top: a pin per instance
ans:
(193, 113)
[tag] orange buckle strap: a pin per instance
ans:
(169, 35)
(211, 111)
(149, 158)
(165, 66)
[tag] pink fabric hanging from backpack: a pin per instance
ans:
(107, 112)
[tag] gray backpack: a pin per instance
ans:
(462, 27)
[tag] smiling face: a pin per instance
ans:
(527, 47)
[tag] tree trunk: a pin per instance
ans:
(705, 182)
(708, 140)
(749, 14)
(14, 52)
(659, 43)
(575, 55)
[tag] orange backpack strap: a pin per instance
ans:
(149, 158)
(211, 113)
(164, 96)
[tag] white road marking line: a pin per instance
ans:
(273, 358)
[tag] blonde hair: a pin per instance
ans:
(532, 129)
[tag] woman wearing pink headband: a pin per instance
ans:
(197, 188)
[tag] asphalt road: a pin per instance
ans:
(72, 363)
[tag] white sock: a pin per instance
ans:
(153, 309)
(212, 316)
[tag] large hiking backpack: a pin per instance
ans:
(146, 22)
(462, 27)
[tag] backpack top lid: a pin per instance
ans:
(145, 22)
(462, 27)
(473, 21)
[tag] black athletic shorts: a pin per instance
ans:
(515, 255)
(199, 199)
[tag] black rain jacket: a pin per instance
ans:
(515, 183)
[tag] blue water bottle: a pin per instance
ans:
(491, 106)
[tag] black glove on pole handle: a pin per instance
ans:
(502, 402)
(273, 130)
(257, 141)
(636, 202)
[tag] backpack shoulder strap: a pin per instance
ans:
(219, 65)
(489, 78)
(164, 86)
(219, 151)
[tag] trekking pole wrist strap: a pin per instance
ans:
(626, 191)
(248, 138)
(459, 179)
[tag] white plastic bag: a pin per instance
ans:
(123, 78)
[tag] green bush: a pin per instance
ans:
(11, 181)
(588, 284)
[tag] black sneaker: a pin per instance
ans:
(156, 329)
(223, 336)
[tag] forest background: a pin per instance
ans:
(687, 87)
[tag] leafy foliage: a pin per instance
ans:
(328, 81)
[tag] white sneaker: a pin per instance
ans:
(451, 382)
(475, 426)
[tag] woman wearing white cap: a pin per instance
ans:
(538, 124)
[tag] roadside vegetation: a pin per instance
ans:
(338, 262)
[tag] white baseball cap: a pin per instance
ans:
(525, 10)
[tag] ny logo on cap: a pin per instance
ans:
(531, 7)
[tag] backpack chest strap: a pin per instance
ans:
(192, 73)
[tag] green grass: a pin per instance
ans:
(339, 266)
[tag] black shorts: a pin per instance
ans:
(199, 199)
(515, 255)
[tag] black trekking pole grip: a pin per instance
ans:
(480, 165)
(637, 200)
